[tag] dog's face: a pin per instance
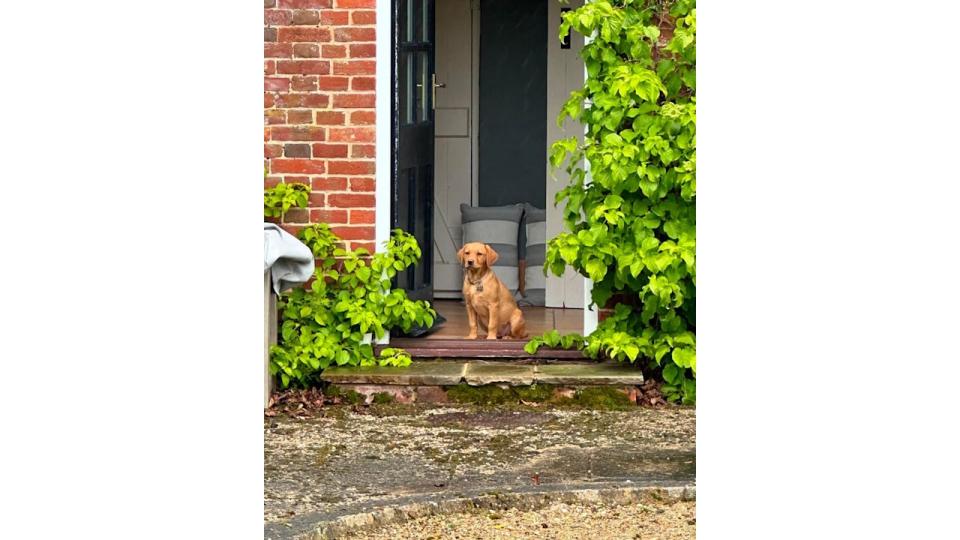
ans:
(477, 255)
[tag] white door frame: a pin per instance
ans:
(384, 94)
(590, 314)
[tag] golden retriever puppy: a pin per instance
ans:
(490, 304)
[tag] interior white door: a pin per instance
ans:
(454, 178)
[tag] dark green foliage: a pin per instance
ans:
(632, 228)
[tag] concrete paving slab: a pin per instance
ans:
(349, 459)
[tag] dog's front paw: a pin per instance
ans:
(472, 335)
(491, 336)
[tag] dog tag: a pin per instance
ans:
(480, 287)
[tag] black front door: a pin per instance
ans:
(513, 102)
(414, 83)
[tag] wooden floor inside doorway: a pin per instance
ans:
(539, 320)
(448, 341)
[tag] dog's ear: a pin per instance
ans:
(491, 255)
(460, 254)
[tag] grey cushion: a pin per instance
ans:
(499, 227)
(533, 234)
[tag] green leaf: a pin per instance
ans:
(596, 269)
(689, 390)
(613, 139)
(672, 374)
(685, 358)
(569, 254)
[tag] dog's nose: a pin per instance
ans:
(469, 263)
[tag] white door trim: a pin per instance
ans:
(384, 124)
(590, 315)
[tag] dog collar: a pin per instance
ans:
(478, 284)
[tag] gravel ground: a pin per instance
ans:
(651, 519)
(346, 460)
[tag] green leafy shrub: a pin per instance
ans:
(553, 338)
(632, 229)
(348, 303)
(280, 198)
(390, 356)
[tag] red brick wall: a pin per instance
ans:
(318, 110)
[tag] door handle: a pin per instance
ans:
(436, 85)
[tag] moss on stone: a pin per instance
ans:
(350, 396)
(537, 393)
(563, 401)
(604, 398)
(382, 398)
(481, 395)
(596, 397)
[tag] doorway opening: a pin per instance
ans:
(476, 88)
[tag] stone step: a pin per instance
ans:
(481, 372)
(435, 381)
